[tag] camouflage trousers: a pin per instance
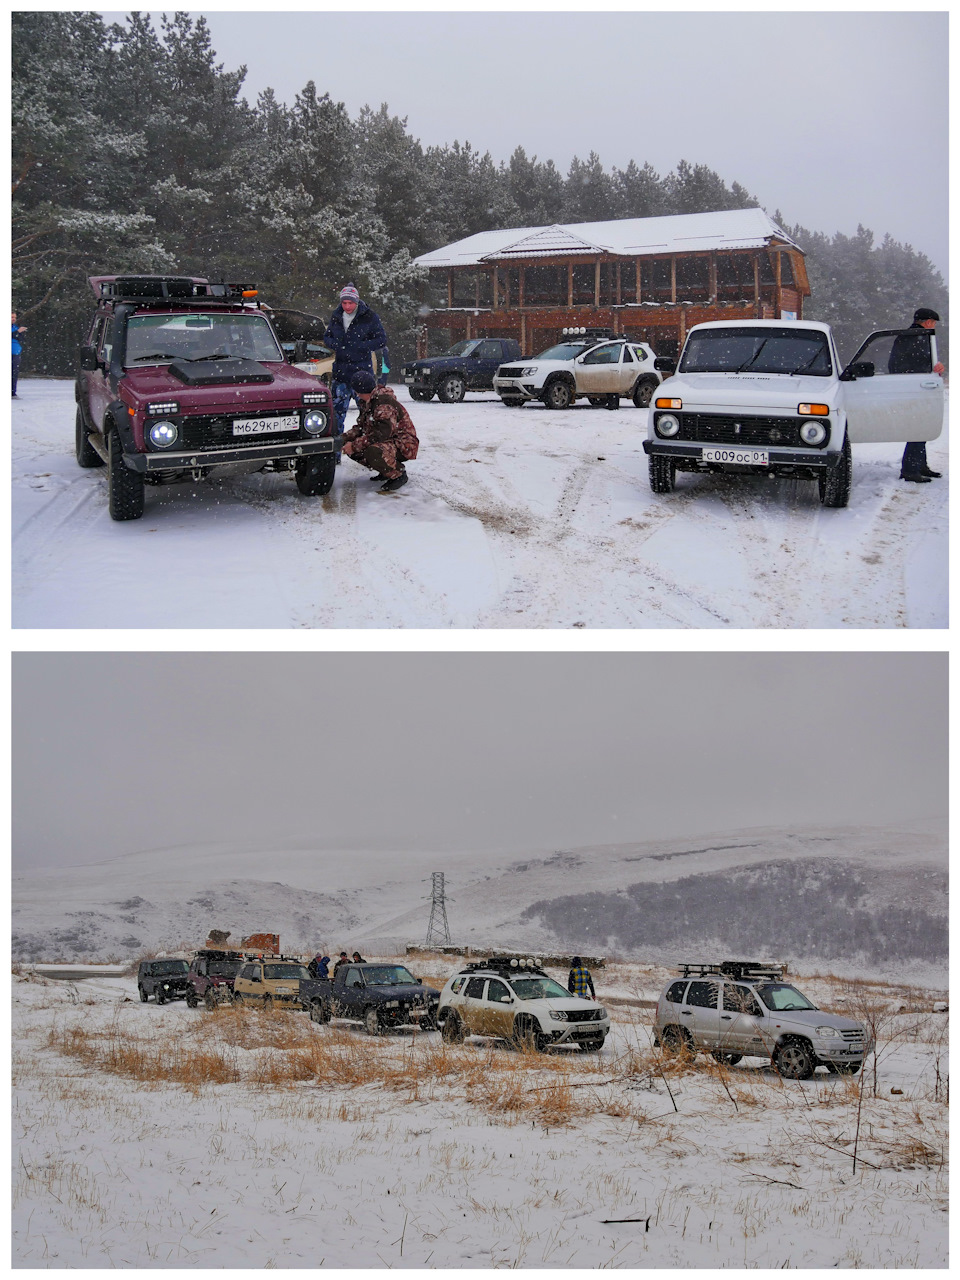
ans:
(382, 456)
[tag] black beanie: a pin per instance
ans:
(924, 313)
(363, 381)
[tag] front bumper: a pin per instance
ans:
(517, 387)
(576, 1032)
(691, 455)
(841, 1051)
(186, 460)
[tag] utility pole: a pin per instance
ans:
(438, 931)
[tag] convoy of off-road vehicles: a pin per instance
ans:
(730, 1009)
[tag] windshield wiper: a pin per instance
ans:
(219, 355)
(754, 357)
(802, 368)
(154, 355)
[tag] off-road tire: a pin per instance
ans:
(452, 388)
(452, 1030)
(420, 393)
(159, 995)
(676, 1043)
(643, 392)
(834, 484)
(87, 455)
(267, 1002)
(794, 1059)
(527, 1035)
(210, 998)
(318, 1011)
(193, 1000)
(125, 487)
(143, 995)
(558, 394)
(843, 1068)
(663, 474)
(371, 1021)
(315, 476)
(728, 1059)
(513, 402)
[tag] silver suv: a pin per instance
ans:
(513, 999)
(742, 1008)
(595, 364)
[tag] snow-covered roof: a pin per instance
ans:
(631, 237)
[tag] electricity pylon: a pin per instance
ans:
(438, 931)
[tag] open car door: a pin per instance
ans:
(883, 402)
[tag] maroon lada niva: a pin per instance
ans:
(181, 378)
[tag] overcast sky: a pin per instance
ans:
(835, 118)
(120, 752)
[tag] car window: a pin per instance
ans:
(782, 997)
(908, 352)
(166, 967)
(737, 999)
(564, 351)
(609, 354)
(106, 340)
(275, 971)
(497, 990)
(743, 350)
(539, 989)
(703, 994)
(457, 983)
(639, 352)
(221, 968)
(675, 991)
(352, 978)
(489, 351)
(388, 975)
(250, 971)
(474, 989)
(157, 339)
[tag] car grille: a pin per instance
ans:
(510, 373)
(208, 432)
(718, 428)
(588, 1015)
(853, 1037)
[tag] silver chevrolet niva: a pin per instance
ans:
(743, 1008)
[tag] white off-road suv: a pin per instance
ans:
(743, 1008)
(513, 999)
(586, 363)
(772, 397)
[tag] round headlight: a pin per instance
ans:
(813, 432)
(163, 434)
(315, 421)
(667, 425)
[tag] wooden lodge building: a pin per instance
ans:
(647, 278)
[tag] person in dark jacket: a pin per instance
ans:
(358, 958)
(384, 437)
(17, 348)
(353, 334)
(910, 353)
(579, 981)
(343, 958)
(319, 967)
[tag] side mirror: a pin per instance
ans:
(419, 982)
(665, 365)
(88, 359)
(506, 999)
(860, 369)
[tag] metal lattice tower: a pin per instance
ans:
(438, 931)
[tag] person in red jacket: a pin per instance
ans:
(384, 437)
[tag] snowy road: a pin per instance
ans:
(513, 518)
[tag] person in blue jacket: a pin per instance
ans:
(353, 334)
(17, 330)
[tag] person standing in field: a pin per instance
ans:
(353, 334)
(911, 353)
(17, 349)
(579, 981)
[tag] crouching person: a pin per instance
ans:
(384, 437)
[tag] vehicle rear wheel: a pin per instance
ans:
(643, 393)
(318, 1011)
(676, 1043)
(193, 1000)
(453, 1031)
(87, 456)
(371, 1020)
(451, 389)
(527, 1035)
(558, 395)
(728, 1059)
(834, 485)
(794, 1059)
(143, 995)
(663, 474)
(125, 487)
(512, 402)
(315, 476)
(420, 393)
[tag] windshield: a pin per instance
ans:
(223, 968)
(153, 339)
(387, 975)
(781, 996)
(170, 966)
(462, 348)
(285, 971)
(741, 350)
(538, 989)
(563, 351)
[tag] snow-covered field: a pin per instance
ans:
(513, 518)
(324, 1147)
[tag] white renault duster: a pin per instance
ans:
(594, 365)
(772, 397)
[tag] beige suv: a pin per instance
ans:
(270, 980)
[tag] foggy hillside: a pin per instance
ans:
(856, 896)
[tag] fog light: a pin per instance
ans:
(163, 434)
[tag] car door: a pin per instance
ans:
(351, 996)
(700, 1014)
(498, 1009)
(99, 394)
(891, 405)
(484, 363)
(628, 370)
(471, 1009)
(739, 1015)
(598, 372)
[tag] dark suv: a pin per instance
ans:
(181, 377)
(163, 979)
(467, 366)
(211, 977)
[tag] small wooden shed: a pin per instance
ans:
(647, 278)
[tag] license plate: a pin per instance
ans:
(742, 457)
(265, 426)
(408, 377)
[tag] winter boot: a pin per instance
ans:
(391, 486)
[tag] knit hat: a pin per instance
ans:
(349, 291)
(924, 313)
(363, 381)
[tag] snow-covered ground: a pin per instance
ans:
(513, 518)
(402, 1152)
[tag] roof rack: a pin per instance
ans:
(513, 965)
(742, 969)
(588, 334)
(145, 289)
